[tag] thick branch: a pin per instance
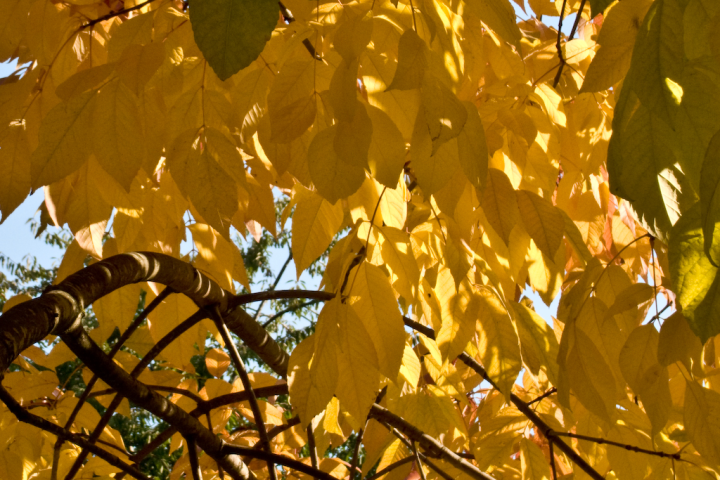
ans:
(279, 459)
(26, 417)
(87, 351)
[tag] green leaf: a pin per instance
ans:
(694, 277)
(598, 6)
(232, 33)
(658, 60)
(710, 197)
(499, 15)
(642, 163)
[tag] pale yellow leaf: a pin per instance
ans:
(374, 301)
(358, 376)
(217, 362)
(497, 342)
(386, 157)
(315, 223)
(397, 252)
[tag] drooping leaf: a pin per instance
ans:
(232, 33)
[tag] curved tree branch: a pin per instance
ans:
(24, 416)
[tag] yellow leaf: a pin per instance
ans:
(170, 313)
(215, 254)
(497, 342)
(394, 452)
(353, 138)
(313, 368)
(677, 342)
(358, 376)
(343, 91)
(625, 464)
(15, 300)
(617, 38)
(139, 63)
(64, 146)
(472, 149)
(262, 205)
(373, 300)
(459, 309)
(315, 223)
(538, 344)
(88, 213)
(199, 176)
(702, 411)
(432, 169)
(217, 362)
(397, 252)
(290, 101)
(412, 62)
(499, 204)
(500, 17)
(386, 157)
(119, 143)
(534, 464)
(588, 374)
(15, 165)
(648, 379)
(410, 367)
(542, 220)
(445, 115)
(117, 309)
(333, 176)
(353, 33)
(494, 450)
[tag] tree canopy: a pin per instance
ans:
(429, 162)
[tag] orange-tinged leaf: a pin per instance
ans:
(217, 362)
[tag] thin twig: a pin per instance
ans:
(519, 404)
(115, 14)
(409, 446)
(312, 447)
(278, 459)
(390, 467)
(552, 460)
(239, 300)
(543, 396)
(356, 452)
(247, 385)
(274, 285)
(631, 448)
(558, 45)
(418, 463)
(288, 310)
(572, 34)
(289, 19)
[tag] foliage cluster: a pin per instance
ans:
(445, 158)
